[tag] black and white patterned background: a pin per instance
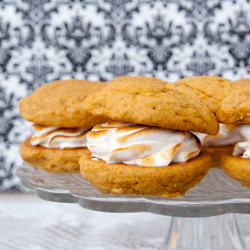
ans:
(44, 40)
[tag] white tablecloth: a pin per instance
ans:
(28, 223)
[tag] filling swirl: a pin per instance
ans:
(243, 147)
(134, 144)
(54, 137)
(229, 134)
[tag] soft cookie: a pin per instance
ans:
(61, 124)
(154, 105)
(235, 109)
(59, 104)
(210, 90)
(147, 150)
(151, 80)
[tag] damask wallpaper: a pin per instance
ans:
(44, 40)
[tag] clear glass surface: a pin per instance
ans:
(216, 194)
(214, 198)
(209, 233)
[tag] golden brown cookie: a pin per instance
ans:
(52, 160)
(237, 168)
(60, 104)
(243, 82)
(150, 104)
(235, 108)
(210, 90)
(140, 78)
(216, 153)
(169, 181)
(170, 84)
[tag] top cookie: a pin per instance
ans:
(242, 82)
(151, 104)
(211, 90)
(139, 78)
(235, 108)
(60, 104)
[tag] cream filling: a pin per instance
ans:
(229, 134)
(134, 144)
(54, 137)
(243, 147)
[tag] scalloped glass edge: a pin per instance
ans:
(216, 194)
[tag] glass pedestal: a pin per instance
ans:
(203, 219)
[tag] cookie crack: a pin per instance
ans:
(207, 95)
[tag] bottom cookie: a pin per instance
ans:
(216, 153)
(236, 168)
(169, 181)
(52, 160)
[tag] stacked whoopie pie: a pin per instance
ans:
(235, 109)
(146, 148)
(211, 91)
(60, 124)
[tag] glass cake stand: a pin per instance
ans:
(202, 219)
